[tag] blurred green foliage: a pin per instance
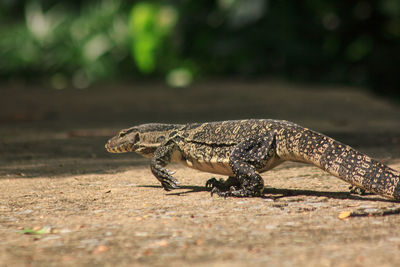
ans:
(150, 24)
(64, 45)
(73, 42)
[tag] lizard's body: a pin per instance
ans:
(243, 149)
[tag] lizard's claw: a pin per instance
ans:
(224, 194)
(215, 190)
(168, 186)
(168, 182)
(357, 190)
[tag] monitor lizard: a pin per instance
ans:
(243, 149)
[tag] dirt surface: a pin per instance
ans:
(93, 208)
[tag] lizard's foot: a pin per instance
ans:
(357, 190)
(168, 182)
(214, 183)
(235, 192)
(221, 184)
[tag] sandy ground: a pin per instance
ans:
(94, 208)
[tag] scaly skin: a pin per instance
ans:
(244, 149)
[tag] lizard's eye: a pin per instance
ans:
(122, 133)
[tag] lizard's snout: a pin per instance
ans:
(111, 147)
(107, 147)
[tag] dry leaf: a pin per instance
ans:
(344, 214)
(100, 249)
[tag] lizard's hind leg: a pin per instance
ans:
(246, 158)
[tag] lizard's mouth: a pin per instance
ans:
(146, 151)
(119, 149)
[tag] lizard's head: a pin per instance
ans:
(142, 139)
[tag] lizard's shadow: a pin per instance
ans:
(277, 193)
(190, 188)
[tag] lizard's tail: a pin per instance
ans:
(360, 170)
(347, 164)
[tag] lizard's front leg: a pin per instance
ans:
(162, 156)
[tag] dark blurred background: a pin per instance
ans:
(332, 66)
(81, 43)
